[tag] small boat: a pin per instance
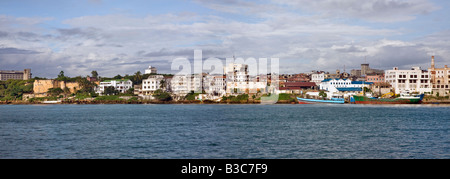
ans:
(51, 102)
(332, 100)
(404, 98)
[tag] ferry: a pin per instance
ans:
(332, 100)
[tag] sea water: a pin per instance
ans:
(224, 131)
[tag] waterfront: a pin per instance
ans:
(224, 131)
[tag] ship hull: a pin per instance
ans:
(309, 101)
(366, 100)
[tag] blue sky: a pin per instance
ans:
(113, 36)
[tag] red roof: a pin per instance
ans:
(299, 84)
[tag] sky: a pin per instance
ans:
(123, 37)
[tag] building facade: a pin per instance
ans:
(120, 85)
(151, 84)
(317, 78)
(16, 75)
(375, 78)
(343, 85)
(183, 84)
(414, 80)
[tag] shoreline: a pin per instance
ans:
(434, 102)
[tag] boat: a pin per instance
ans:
(405, 98)
(332, 100)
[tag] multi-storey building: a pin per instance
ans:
(375, 78)
(151, 84)
(440, 79)
(414, 80)
(183, 84)
(16, 75)
(317, 77)
(215, 84)
(238, 80)
(120, 85)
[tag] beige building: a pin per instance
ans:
(17, 75)
(41, 87)
(440, 79)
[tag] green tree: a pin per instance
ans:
(161, 95)
(137, 78)
(110, 90)
(62, 77)
(118, 77)
(94, 74)
(55, 91)
(323, 94)
(86, 86)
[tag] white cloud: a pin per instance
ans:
(370, 10)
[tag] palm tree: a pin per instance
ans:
(162, 85)
(137, 77)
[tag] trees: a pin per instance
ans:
(137, 78)
(14, 89)
(62, 77)
(161, 95)
(94, 74)
(110, 90)
(55, 91)
(323, 94)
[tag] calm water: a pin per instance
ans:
(224, 131)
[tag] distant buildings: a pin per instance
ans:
(16, 75)
(365, 70)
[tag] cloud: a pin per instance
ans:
(370, 10)
(305, 35)
(16, 51)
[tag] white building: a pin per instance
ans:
(317, 78)
(343, 85)
(238, 80)
(120, 85)
(150, 70)
(215, 85)
(236, 72)
(184, 84)
(414, 80)
(151, 84)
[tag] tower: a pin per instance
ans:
(26, 74)
(432, 62)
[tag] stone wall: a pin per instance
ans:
(41, 87)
